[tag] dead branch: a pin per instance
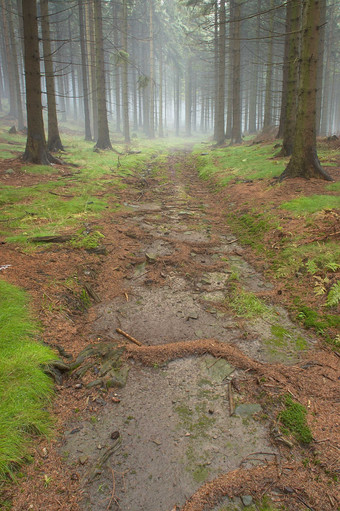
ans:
(129, 337)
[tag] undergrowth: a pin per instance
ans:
(24, 388)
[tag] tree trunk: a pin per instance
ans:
(36, 148)
(294, 13)
(88, 135)
(268, 103)
(236, 135)
(92, 67)
(220, 100)
(304, 161)
(152, 72)
(53, 140)
(116, 42)
(103, 141)
(10, 67)
(160, 127)
(188, 98)
(126, 127)
(15, 65)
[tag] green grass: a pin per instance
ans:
(24, 388)
(293, 417)
(241, 162)
(247, 305)
(312, 204)
(321, 323)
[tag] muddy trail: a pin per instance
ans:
(183, 414)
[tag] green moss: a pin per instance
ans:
(88, 241)
(293, 417)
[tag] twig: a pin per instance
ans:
(232, 241)
(231, 400)
(61, 195)
(218, 358)
(132, 339)
(303, 502)
(113, 491)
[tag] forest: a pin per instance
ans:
(169, 255)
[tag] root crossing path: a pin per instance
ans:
(186, 426)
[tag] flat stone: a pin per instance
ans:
(247, 409)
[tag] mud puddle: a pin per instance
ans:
(171, 427)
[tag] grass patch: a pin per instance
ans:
(321, 323)
(239, 162)
(312, 204)
(24, 388)
(293, 417)
(247, 305)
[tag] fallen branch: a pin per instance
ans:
(61, 195)
(51, 239)
(129, 337)
(90, 291)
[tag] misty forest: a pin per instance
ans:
(169, 255)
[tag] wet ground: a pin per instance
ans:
(171, 428)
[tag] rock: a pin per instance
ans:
(94, 383)
(12, 130)
(78, 386)
(82, 460)
(117, 377)
(247, 500)
(247, 409)
(114, 435)
(192, 315)
(151, 258)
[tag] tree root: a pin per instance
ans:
(159, 354)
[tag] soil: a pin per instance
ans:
(188, 420)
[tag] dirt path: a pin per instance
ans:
(189, 419)
(170, 428)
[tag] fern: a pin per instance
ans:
(332, 266)
(311, 266)
(333, 297)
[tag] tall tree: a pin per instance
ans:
(236, 134)
(103, 141)
(125, 74)
(53, 141)
(88, 135)
(220, 100)
(304, 161)
(290, 99)
(36, 148)
(15, 66)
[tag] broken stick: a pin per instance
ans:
(231, 399)
(132, 339)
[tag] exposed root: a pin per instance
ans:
(237, 482)
(159, 354)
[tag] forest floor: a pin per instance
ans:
(226, 401)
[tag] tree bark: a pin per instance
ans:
(13, 113)
(188, 98)
(103, 141)
(53, 142)
(236, 135)
(15, 65)
(294, 13)
(36, 148)
(304, 161)
(268, 103)
(126, 127)
(152, 72)
(88, 135)
(220, 100)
